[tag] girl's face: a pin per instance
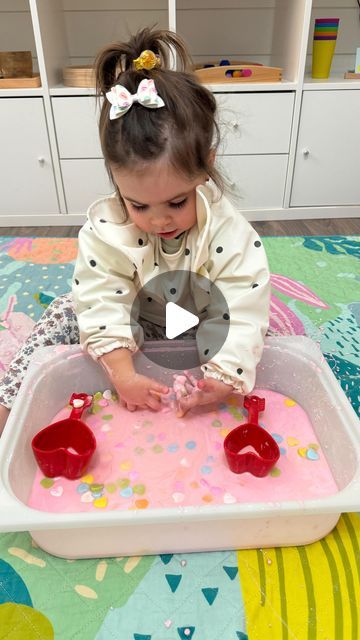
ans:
(159, 200)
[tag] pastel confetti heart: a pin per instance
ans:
(292, 442)
(87, 497)
(311, 454)
(96, 486)
(100, 503)
(82, 487)
(313, 445)
(224, 432)
(289, 402)
(88, 479)
(206, 469)
(275, 472)
(229, 499)
(277, 437)
(57, 491)
(105, 428)
(302, 452)
(139, 489)
(107, 394)
(157, 448)
(111, 487)
(125, 466)
(123, 483)
(184, 462)
(126, 493)
(207, 498)
(141, 503)
(178, 497)
(47, 483)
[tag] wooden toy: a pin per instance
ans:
(80, 76)
(237, 72)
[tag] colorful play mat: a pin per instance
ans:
(296, 593)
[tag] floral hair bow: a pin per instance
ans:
(121, 99)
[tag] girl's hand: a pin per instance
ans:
(134, 390)
(137, 391)
(208, 391)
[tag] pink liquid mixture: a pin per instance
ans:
(151, 459)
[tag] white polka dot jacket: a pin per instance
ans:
(117, 263)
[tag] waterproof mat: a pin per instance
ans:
(294, 593)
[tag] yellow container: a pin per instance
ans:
(323, 51)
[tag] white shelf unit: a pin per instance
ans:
(266, 126)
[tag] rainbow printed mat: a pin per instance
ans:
(294, 593)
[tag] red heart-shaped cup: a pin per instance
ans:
(265, 452)
(65, 448)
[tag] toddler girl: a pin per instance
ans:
(159, 137)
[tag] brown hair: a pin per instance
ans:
(185, 129)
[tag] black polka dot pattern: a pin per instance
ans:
(219, 249)
(187, 251)
(141, 242)
(257, 243)
(156, 264)
(102, 220)
(92, 263)
(206, 352)
(149, 299)
(254, 285)
(226, 316)
(173, 290)
(103, 326)
(76, 281)
(239, 371)
(119, 291)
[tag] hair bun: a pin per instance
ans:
(147, 60)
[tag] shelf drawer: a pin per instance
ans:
(76, 124)
(255, 122)
(84, 181)
(258, 182)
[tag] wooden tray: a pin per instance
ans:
(81, 76)
(239, 73)
(21, 83)
(351, 75)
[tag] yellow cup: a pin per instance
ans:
(323, 51)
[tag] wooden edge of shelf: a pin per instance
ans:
(259, 73)
(21, 83)
(350, 75)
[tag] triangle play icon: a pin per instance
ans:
(178, 320)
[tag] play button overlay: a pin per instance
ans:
(180, 319)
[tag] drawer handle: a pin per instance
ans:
(41, 161)
(235, 125)
(305, 152)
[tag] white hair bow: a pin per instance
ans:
(121, 99)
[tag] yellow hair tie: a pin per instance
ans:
(147, 60)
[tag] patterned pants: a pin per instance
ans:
(57, 325)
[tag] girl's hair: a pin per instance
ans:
(184, 130)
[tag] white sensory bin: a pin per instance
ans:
(292, 366)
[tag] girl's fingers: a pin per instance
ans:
(131, 407)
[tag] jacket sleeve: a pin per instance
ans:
(103, 292)
(238, 267)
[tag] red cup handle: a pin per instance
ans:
(79, 402)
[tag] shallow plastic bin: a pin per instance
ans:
(293, 366)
